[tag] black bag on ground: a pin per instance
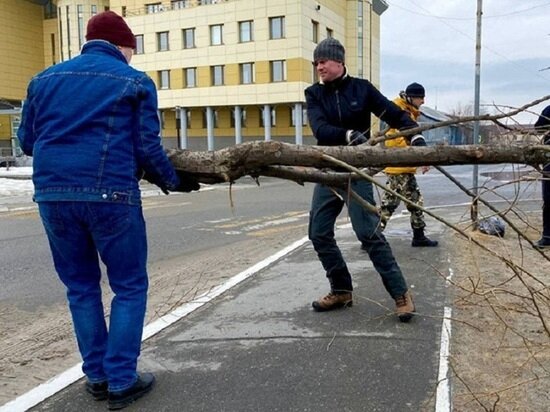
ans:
(493, 225)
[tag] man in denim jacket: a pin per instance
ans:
(91, 126)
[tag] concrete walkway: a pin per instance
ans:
(255, 344)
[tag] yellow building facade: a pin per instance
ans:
(227, 71)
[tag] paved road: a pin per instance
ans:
(260, 347)
(177, 224)
(180, 224)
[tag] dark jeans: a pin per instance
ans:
(325, 208)
(77, 233)
(546, 202)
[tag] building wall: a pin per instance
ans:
(5, 131)
(21, 48)
(21, 54)
(62, 38)
(72, 17)
(296, 49)
(51, 42)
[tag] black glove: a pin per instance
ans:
(355, 138)
(188, 182)
(150, 179)
(418, 140)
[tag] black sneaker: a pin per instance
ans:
(97, 390)
(119, 400)
(424, 242)
(543, 243)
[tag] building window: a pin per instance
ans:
(188, 38)
(243, 117)
(330, 33)
(214, 118)
(94, 9)
(190, 77)
(139, 44)
(154, 8)
(164, 79)
(272, 115)
(277, 27)
(180, 4)
(50, 10)
(247, 73)
(81, 31)
(61, 36)
(293, 116)
(162, 119)
(68, 31)
(278, 70)
(315, 31)
(216, 34)
(162, 41)
(216, 74)
(52, 44)
(246, 31)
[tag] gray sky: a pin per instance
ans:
(432, 42)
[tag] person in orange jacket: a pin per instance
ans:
(402, 179)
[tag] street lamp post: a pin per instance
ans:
(474, 211)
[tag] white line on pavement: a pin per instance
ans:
(61, 381)
(443, 394)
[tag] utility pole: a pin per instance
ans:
(474, 210)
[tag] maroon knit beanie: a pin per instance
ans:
(111, 27)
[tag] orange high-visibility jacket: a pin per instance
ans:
(401, 141)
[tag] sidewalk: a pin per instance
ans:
(254, 343)
(260, 347)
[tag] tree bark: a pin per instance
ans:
(259, 158)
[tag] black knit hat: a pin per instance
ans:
(111, 27)
(329, 49)
(415, 90)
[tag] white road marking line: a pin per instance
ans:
(443, 394)
(51, 387)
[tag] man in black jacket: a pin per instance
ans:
(339, 109)
(543, 126)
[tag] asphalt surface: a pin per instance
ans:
(256, 344)
(260, 347)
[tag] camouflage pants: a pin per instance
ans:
(405, 185)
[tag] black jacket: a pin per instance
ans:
(543, 124)
(346, 104)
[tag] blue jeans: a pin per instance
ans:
(77, 233)
(325, 208)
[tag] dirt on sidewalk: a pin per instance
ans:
(500, 349)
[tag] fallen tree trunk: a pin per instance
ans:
(258, 158)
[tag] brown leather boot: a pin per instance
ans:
(332, 301)
(404, 307)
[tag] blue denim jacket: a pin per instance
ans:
(92, 127)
